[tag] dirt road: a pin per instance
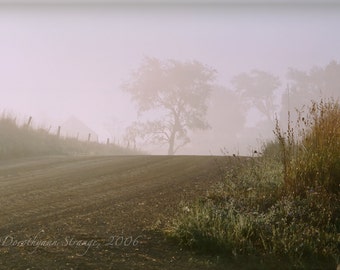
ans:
(96, 212)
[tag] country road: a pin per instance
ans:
(97, 212)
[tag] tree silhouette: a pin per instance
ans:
(314, 84)
(257, 88)
(175, 91)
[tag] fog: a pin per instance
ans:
(63, 61)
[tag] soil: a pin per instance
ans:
(99, 212)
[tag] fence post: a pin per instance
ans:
(29, 121)
(58, 132)
(89, 137)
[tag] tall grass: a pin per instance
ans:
(284, 204)
(22, 141)
(311, 150)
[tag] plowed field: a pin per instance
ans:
(97, 212)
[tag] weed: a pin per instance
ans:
(311, 150)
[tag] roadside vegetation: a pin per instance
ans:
(22, 141)
(282, 205)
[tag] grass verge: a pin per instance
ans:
(22, 141)
(283, 205)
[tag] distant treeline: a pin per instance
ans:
(23, 140)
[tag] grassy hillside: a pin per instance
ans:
(22, 141)
(282, 206)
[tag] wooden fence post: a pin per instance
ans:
(29, 121)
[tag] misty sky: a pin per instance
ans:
(59, 61)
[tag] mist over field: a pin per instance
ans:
(68, 66)
(152, 134)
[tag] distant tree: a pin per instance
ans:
(318, 81)
(227, 119)
(175, 91)
(131, 134)
(315, 84)
(257, 88)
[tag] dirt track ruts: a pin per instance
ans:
(97, 212)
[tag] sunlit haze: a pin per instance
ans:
(63, 61)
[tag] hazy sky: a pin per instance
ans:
(63, 60)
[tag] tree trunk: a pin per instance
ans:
(171, 144)
(171, 150)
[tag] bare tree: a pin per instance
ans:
(177, 92)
